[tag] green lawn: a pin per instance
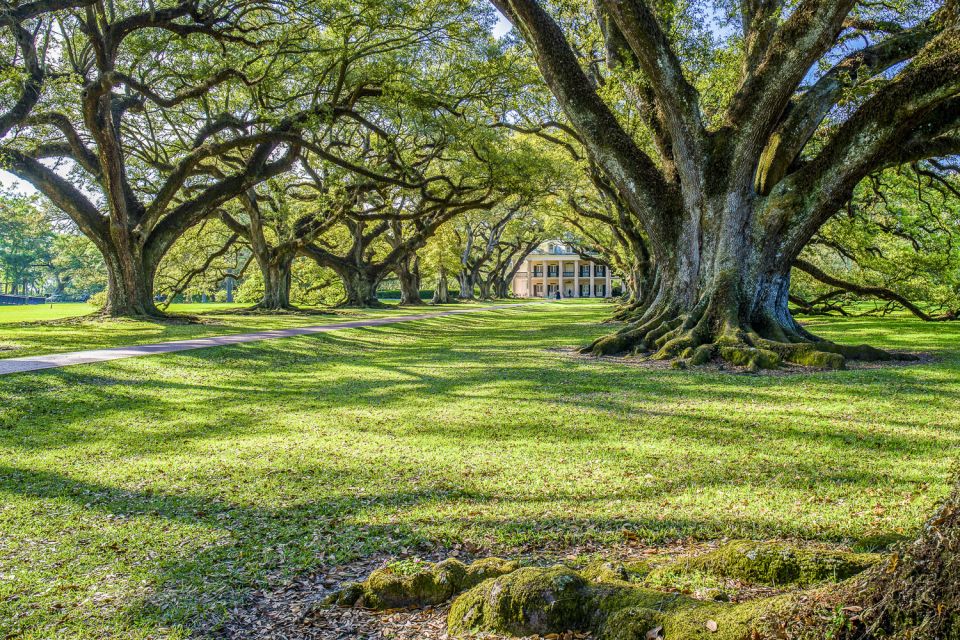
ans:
(145, 497)
(39, 329)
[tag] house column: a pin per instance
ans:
(529, 277)
(576, 278)
(593, 270)
(545, 289)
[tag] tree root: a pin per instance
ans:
(612, 600)
(418, 584)
(699, 337)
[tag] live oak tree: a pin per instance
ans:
(733, 161)
(368, 246)
(201, 263)
(278, 219)
(144, 128)
(893, 243)
(377, 70)
(492, 246)
(522, 235)
(602, 229)
(447, 166)
(440, 260)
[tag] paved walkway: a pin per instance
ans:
(55, 360)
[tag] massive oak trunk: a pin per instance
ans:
(502, 288)
(726, 208)
(130, 275)
(360, 285)
(721, 289)
(277, 279)
(408, 273)
(441, 295)
(485, 286)
(467, 283)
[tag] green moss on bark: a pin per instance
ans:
(774, 563)
(819, 359)
(528, 601)
(396, 587)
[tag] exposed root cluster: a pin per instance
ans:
(704, 335)
(613, 600)
(419, 584)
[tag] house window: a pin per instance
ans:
(585, 291)
(600, 291)
(584, 271)
(599, 270)
(553, 270)
(538, 270)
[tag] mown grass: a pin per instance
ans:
(146, 497)
(41, 329)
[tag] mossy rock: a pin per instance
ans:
(776, 564)
(525, 602)
(395, 588)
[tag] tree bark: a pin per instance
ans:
(408, 273)
(360, 286)
(441, 295)
(485, 286)
(276, 282)
(130, 277)
(720, 294)
(467, 284)
(916, 594)
(502, 288)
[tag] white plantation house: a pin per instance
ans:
(555, 267)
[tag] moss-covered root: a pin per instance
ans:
(555, 600)
(526, 602)
(401, 586)
(684, 618)
(773, 563)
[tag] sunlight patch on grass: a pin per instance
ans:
(174, 486)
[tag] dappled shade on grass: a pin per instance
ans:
(156, 494)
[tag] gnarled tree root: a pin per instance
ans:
(399, 586)
(615, 601)
(699, 337)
